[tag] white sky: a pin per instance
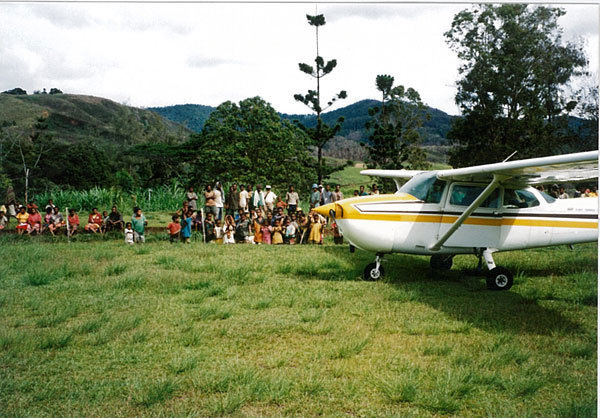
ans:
(163, 54)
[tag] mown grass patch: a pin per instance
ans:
(206, 330)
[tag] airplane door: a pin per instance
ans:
(482, 228)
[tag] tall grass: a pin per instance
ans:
(161, 198)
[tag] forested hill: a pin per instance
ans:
(355, 115)
(76, 119)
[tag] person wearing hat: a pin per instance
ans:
(315, 196)
(269, 198)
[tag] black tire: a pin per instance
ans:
(499, 278)
(371, 274)
(441, 262)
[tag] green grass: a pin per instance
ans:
(99, 328)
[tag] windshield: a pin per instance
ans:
(426, 187)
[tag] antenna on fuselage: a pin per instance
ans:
(508, 158)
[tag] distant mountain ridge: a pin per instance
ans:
(355, 116)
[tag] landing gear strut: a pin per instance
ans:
(497, 278)
(374, 271)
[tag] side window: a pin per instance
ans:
(464, 195)
(434, 194)
(519, 199)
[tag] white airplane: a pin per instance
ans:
(474, 210)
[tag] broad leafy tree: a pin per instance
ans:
(321, 133)
(394, 140)
(249, 142)
(514, 68)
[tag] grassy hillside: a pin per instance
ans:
(101, 329)
(76, 118)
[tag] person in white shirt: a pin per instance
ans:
(258, 198)
(292, 200)
(270, 199)
(192, 199)
(219, 198)
(243, 198)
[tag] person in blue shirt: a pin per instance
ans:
(315, 196)
(186, 226)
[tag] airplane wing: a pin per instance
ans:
(555, 169)
(395, 174)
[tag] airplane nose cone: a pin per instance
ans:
(324, 210)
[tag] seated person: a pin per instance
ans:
(73, 219)
(22, 218)
(94, 222)
(115, 220)
(34, 222)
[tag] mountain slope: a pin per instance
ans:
(77, 118)
(355, 116)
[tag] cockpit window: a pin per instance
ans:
(547, 197)
(425, 187)
(519, 199)
(464, 195)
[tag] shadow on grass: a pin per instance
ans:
(459, 294)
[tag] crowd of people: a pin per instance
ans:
(243, 215)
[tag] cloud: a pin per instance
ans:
(66, 16)
(200, 61)
(378, 11)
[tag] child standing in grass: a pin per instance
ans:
(174, 228)
(128, 234)
(277, 232)
(138, 220)
(186, 226)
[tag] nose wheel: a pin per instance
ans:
(374, 271)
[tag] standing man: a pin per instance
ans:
(315, 196)
(270, 199)
(258, 198)
(337, 195)
(232, 201)
(362, 191)
(292, 200)
(327, 195)
(192, 199)
(243, 198)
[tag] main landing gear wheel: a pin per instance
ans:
(499, 278)
(374, 271)
(441, 262)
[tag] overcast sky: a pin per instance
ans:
(163, 54)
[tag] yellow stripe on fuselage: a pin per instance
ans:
(473, 220)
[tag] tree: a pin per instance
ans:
(394, 139)
(322, 132)
(514, 68)
(249, 142)
(32, 148)
(18, 91)
(54, 90)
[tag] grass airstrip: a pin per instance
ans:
(96, 328)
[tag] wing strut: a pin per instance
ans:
(476, 203)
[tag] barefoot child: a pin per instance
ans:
(128, 234)
(174, 228)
